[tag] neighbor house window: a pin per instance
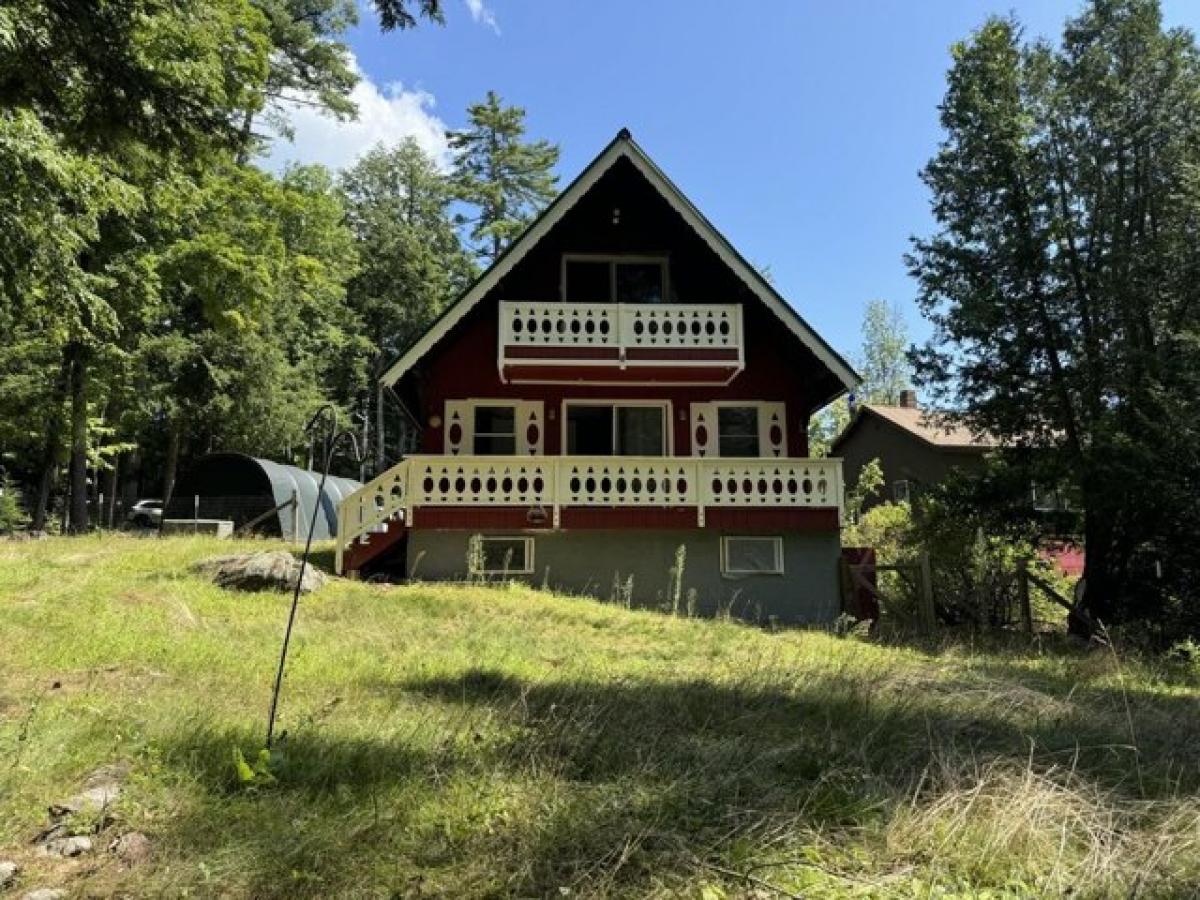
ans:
(902, 491)
(1049, 499)
(604, 429)
(616, 279)
(501, 556)
(495, 430)
(737, 431)
(752, 555)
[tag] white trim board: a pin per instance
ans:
(623, 146)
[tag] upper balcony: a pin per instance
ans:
(620, 343)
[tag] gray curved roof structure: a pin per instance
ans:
(242, 488)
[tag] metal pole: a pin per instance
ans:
(196, 514)
(287, 634)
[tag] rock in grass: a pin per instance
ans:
(131, 848)
(8, 873)
(46, 894)
(67, 847)
(94, 800)
(270, 570)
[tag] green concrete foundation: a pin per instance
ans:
(636, 567)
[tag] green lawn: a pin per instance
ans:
(498, 741)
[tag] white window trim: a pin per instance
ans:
(726, 569)
(664, 405)
(612, 259)
(529, 547)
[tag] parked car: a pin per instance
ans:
(145, 514)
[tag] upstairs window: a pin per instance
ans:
(737, 431)
(615, 430)
(495, 431)
(614, 279)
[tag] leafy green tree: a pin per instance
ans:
(506, 179)
(160, 91)
(882, 362)
(1061, 279)
(310, 65)
(413, 265)
(251, 318)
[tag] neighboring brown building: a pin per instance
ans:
(915, 447)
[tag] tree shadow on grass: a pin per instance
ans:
(508, 786)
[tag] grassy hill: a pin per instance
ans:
(498, 741)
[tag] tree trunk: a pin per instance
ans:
(78, 390)
(1099, 602)
(171, 464)
(50, 449)
(114, 481)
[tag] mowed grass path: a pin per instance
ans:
(498, 741)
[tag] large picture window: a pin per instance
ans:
(737, 431)
(495, 431)
(602, 429)
(615, 279)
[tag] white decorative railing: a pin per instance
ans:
(622, 326)
(626, 481)
(771, 482)
(556, 482)
(481, 480)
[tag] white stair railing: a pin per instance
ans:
(375, 503)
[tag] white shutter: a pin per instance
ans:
(531, 427)
(458, 428)
(704, 430)
(772, 430)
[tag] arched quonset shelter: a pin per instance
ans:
(242, 488)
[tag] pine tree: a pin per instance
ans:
(398, 206)
(507, 180)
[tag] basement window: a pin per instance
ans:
(502, 556)
(752, 555)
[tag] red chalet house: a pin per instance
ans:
(620, 384)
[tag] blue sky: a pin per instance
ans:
(797, 126)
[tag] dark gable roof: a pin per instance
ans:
(934, 428)
(623, 146)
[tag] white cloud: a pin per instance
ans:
(385, 115)
(482, 14)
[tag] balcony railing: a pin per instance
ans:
(557, 482)
(622, 335)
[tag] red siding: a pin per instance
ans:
(509, 518)
(464, 365)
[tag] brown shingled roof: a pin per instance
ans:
(936, 428)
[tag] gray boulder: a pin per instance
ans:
(67, 847)
(268, 570)
(8, 873)
(46, 894)
(131, 848)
